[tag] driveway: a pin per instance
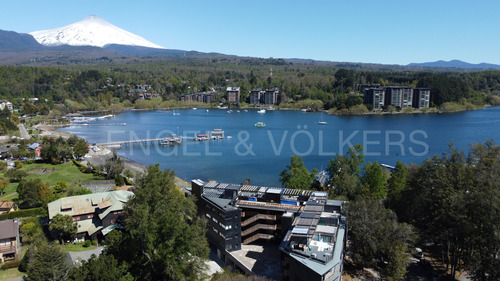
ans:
(85, 255)
(24, 133)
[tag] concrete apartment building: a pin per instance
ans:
(304, 225)
(421, 98)
(375, 97)
(233, 95)
(397, 96)
(268, 97)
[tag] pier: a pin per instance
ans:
(216, 134)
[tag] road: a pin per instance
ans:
(24, 133)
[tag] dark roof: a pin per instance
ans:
(9, 228)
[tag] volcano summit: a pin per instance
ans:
(92, 31)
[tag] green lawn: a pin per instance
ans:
(10, 273)
(70, 247)
(51, 174)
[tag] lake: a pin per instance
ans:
(261, 153)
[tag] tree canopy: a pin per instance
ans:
(164, 239)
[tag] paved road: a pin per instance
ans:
(24, 133)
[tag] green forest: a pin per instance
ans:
(111, 87)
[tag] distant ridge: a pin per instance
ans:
(13, 41)
(457, 64)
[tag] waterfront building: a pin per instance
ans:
(398, 96)
(233, 95)
(200, 97)
(375, 97)
(421, 98)
(271, 96)
(255, 96)
(308, 229)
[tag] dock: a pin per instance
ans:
(109, 124)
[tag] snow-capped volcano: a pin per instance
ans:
(92, 31)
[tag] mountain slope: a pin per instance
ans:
(13, 41)
(456, 64)
(92, 31)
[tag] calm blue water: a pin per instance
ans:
(261, 153)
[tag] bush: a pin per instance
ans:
(10, 264)
(94, 242)
(87, 243)
(23, 213)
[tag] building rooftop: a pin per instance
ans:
(316, 236)
(9, 228)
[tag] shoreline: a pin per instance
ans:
(104, 153)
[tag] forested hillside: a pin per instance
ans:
(73, 88)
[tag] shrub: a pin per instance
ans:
(10, 264)
(87, 243)
(23, 213)
(94, 242)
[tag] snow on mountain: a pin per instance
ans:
(92, 31)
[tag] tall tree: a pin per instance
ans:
(101, 268)
(296, 175)
(113, 166)
(373, 181)
(164, 238)
(64, 227)
(48, 263)
(344, 173)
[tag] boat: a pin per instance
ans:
(260, 125)
(304, 110)
(194, 108)
(262, 111)
(217, 134)
(322, 122)
(173, 140)
(175, 113)
(201, 137)
(230, 111)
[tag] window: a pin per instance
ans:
(208, 215)
(228, 227)
(76, 218)
(113, 220)
(5, 242)
(215, 220)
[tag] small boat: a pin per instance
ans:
(207, 109)
(201, 137)
(171, 140)
(304, 110)
(230, 111)
(260, 125)
(322, 122)
(175, 113)
(194, 108)
(262, 111)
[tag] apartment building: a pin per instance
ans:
(308, 229)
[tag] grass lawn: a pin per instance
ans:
(70, 247)
(51, 174)
(10, 273)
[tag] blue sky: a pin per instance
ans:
(369, 31)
